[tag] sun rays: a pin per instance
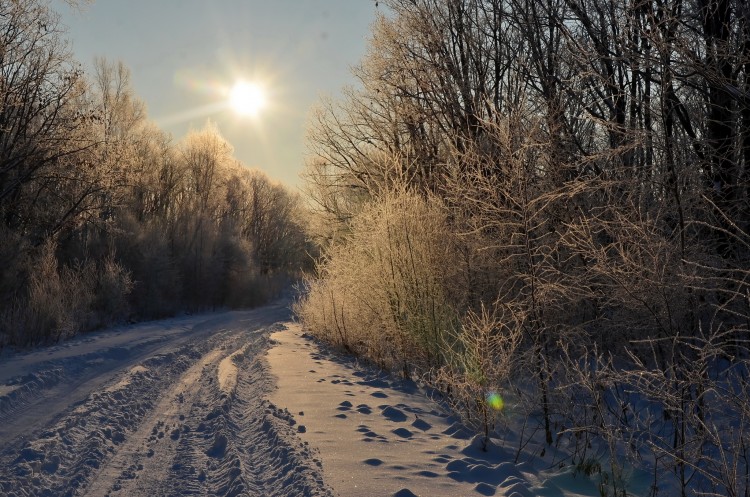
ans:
(247, 98)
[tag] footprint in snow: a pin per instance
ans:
(375, 383)
(421, 424)
(51, 465)
(405, 492)
(402, 432)
(219, 447)
(393, 414)
(442, 459)
(458, 430)
(485, 489)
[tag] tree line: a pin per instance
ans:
(549, 199)
(103, 218)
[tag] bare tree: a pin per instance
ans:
(39, 118)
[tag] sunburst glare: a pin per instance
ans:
(243, 97)
(247, 99)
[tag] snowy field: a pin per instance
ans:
(233, 404)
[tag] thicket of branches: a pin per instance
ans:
(102, 217)
(550, 199)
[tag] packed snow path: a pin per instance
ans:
(241, 404)
(177, 407)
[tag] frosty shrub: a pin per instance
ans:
(634, 271)
(383, 291)
(480, 364)
(593, 208)
(156, 281)
(57, 303)
(197, 237)
(239, 286)
(111, 289)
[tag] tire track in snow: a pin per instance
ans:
(191, 421)
(144, 445)
(267, 448)
(64, 458)
(243, 445)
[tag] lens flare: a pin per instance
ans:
(244, 91)
(495, 401)
(247, 98)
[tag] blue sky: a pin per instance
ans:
(181, 52)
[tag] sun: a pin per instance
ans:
(247, 99)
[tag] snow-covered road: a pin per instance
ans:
(241, 403)
(176, 407)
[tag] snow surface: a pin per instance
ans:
(234, 404)
(385, 436)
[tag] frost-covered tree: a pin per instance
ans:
(592, 160)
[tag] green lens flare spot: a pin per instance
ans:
(495, 401)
